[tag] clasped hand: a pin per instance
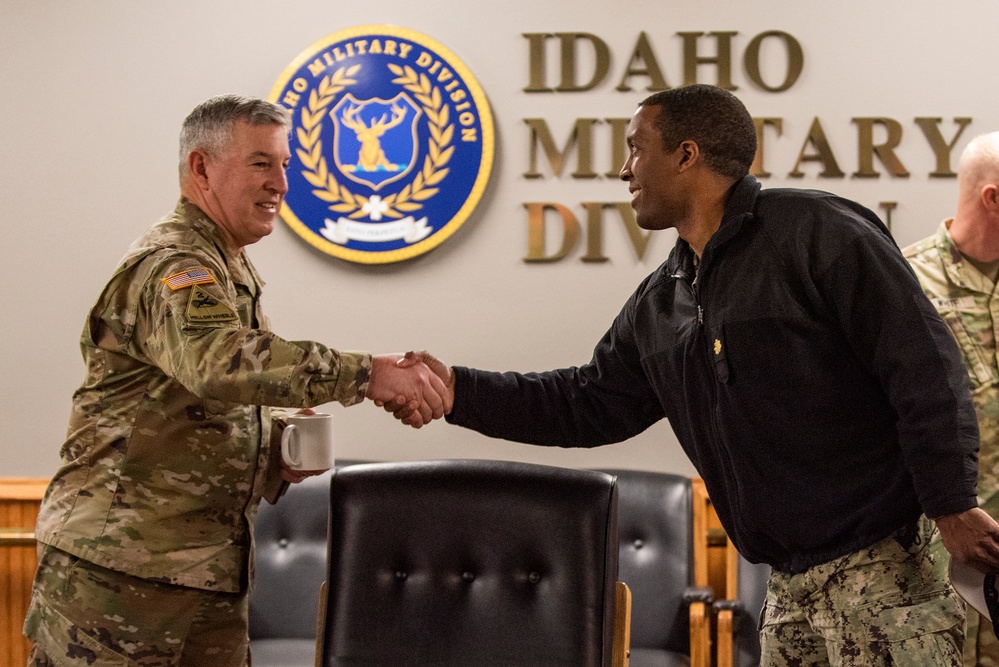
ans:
(407, 386)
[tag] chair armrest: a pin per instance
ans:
(321, 623)
(724, 645)
(697, 594)
(725, 611)
(733, 606)
(700, 635)
(698, 600)
(622, 625)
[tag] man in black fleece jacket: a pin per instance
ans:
(806, 376)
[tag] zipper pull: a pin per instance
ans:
(700, 315)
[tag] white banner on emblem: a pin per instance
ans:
(408, 229)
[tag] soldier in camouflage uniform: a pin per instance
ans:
(958, 268)
(145, 531)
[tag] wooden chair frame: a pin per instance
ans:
(705, 524)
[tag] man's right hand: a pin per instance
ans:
(972, 537)
(401, 408)
(419, 392)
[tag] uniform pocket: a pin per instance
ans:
(939, 615)
(64, 642)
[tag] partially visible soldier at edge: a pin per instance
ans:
(145, 532)
(958, 268)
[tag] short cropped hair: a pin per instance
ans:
(209, 126)
(715, 119)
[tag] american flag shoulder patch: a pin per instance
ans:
(198, 276)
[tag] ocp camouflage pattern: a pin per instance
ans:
(167, 451)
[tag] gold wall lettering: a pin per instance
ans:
(814, 148)
(539, 213)
(643, 62)
(584, 62)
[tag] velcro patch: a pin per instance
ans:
(203, 307)
(198, 276)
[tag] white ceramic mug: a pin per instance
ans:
(307, 441)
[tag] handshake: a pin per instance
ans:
(415, 387)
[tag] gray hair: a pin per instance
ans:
(209, 127)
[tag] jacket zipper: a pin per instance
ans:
(722, 451)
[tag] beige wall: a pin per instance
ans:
(94, 93)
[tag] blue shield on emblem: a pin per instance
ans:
(376, 141)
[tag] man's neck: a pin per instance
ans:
(703, 219)
(196, 197)
(974, 237)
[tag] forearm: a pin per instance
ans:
(257, 367)
(560, 408)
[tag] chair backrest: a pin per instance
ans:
(463, 562)
(290, 560)
(656, 557)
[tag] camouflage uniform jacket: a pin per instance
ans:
(167, 451)
(969, 304)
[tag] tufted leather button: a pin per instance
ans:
(400, 575)
(468, 576)
(534, 577)
(638, 544)
(283, 542)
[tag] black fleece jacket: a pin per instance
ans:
(812, 384)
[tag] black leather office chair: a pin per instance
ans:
(655, 522)
(738, 637)
(459, 563)
(290, 564)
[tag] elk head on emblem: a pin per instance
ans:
(371, 156)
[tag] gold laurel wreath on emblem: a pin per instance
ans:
(395, 205)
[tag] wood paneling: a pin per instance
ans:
(19, 500)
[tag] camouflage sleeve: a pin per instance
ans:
(195, 327)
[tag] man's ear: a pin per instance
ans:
(989, 196)
(197, 168)
(690, 154)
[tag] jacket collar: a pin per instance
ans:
(960, 271)
(240, 268)
(739, 206)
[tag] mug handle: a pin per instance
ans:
(286, 446)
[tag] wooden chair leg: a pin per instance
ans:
(700, 635)
(622, 625)
(321, 625)
(724, 641)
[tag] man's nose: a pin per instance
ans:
(625, 173)
(279, 183)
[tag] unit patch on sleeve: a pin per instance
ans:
(203, 307)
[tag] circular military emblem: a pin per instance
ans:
(392, 143)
